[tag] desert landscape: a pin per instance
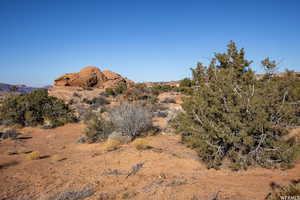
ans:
(149, 100)
(83, 160)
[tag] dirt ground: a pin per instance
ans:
(169, 171)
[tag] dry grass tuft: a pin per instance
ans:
(111, 145)
(33, 155)
(9, 153)
(57, 158)
(141, 144)
(23, 151)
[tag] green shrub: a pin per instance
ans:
(140, 92)
(110, 91)
(157, 89)
(121, 88)
(96, 102)
(35, 108)
(235, 117)
(186, 82)
(97, 128)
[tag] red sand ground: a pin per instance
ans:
(168, 163)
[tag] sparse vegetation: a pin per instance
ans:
(9, 133)
(128, 119)
(131, 119)
(35, 155)
(168, 100)
(34, 108)
(74, 194)
(231, 115)
(110, 91)
(121, 88)
(185, 86)
(291, 191)
(57, 158)
(9, 153)
(97, 128)
(96, 102)
(111, 145)
(141, 144)
(140, 92)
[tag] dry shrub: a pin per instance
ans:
(141, 144)
(22, 151)
(33, 155)
(70, 194)
(9, 153)
(57, 158)
(131, 119)
(111, 145)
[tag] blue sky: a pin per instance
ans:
(144, 40)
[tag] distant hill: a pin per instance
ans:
(22, 89)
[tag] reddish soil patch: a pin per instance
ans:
(170, 170)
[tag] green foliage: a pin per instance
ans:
(35, 108)
(186, 82)
(121, 88)
(97, 128)
(233, 116)
(141, 92)
(185, 86)
(96, 101)
(110, 91)
(270, 66)
(157, 89)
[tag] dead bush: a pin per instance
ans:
(131, 119)
(70, 194)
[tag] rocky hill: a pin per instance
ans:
(92, 76)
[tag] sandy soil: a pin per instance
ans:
(170, 170)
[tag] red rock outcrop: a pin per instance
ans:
(92, 77)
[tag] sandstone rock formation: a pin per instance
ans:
(91, 76)
(114, 79)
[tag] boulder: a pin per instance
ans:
(87, 77)
(91, 76)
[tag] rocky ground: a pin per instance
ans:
(168, 170)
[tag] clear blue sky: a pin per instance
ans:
(144, 40)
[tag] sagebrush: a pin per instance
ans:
(131, 118)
